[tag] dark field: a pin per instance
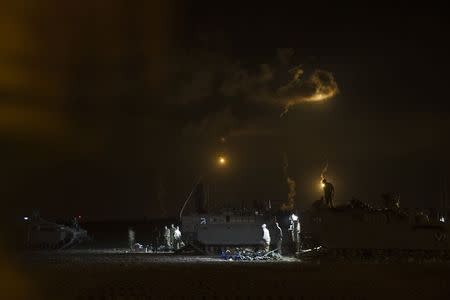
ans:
(114, 274)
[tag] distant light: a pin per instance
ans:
(442, 219)
(222, 160)
(26, 218)
(294, 217)
(79, 217)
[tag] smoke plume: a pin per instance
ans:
(320, 86)
(219, 95)
(289, 204)
(324, 171)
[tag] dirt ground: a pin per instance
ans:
(114, 274)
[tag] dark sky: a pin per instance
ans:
(112, 109)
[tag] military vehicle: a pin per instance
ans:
(357, 229)
(42, 234)
(350, 231)
(212, 232)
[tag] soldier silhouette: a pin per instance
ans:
(328, 192)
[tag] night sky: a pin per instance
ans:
(113, 109)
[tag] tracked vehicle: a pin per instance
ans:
(214, 232)
(358, 230)
(42, 234)
(211, 232)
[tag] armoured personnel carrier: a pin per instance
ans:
(357, 230)
(211, 232)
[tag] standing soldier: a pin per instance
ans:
(177, 237)
(328, 192)
(266, 238)
(131, 236)
(172, 236)
(279, 237)
(295, 232)
(167, 238)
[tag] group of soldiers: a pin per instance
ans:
(294, 228)
(172, 237)
(277, 242)
(277, 238)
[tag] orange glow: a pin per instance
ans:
(222, 161)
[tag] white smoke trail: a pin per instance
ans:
(324, 171)
(289, 204)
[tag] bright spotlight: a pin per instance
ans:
(442, 219)
(26, 218)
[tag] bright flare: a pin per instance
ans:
(222, 160)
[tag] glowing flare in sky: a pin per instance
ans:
(222, 161)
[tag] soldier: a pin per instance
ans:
(328, 192)
(279, 237)
(172, 235)
(131, 236)
(266, 238)
(167, 237)
(294, 228)
(177, 238)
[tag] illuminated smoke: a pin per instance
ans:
(289, 204)
(320, 86)
(221, 97)
(324, 171)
